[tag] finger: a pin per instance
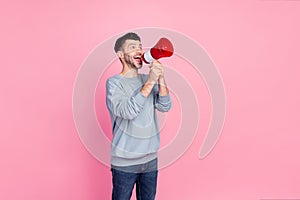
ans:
(160, 70)
(156, 61)
(158, 67)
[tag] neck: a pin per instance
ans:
(129, 72)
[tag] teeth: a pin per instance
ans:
(137, 57)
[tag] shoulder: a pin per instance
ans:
(112, 81)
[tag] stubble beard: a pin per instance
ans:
(132, 64)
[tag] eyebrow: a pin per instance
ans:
(134, 44)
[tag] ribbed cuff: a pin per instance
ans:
(164, 99)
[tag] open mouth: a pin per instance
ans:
(138, 59)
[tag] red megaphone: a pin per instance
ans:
(163, 48)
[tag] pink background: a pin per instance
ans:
(255, 45)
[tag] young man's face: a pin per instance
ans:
(132, 50)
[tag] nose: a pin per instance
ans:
(139, 50)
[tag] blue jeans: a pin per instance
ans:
(123, 183)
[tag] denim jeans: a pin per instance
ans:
(123, 183)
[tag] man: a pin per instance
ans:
(132, 99)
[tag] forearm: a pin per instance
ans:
(162, 86)
(163, 100)
(147, 88)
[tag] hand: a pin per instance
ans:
(156, 71)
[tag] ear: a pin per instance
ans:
(120, 54)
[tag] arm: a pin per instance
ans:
(162, 103)
(122, 105)
(163, 100)
(154, 74)
(163, 88)
(147, 88)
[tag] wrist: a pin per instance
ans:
(147, 88)
(150, 82)
(161, 80)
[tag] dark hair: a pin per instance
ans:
(128, 36)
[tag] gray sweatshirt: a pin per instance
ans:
(135, 128)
